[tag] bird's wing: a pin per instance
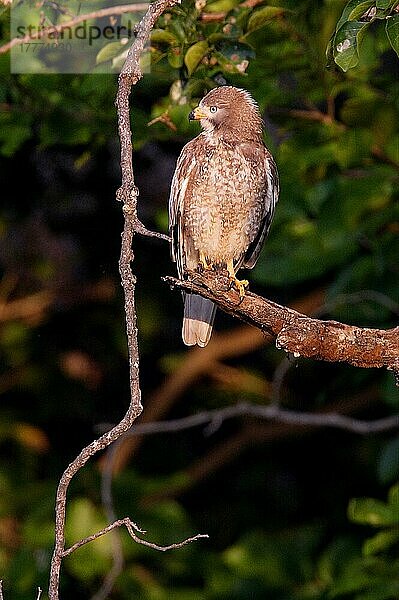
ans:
(186, 168)
(270, 194)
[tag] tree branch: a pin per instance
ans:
(296, 333)
(215, 418)
(140, 228)
(127, 194)
(131, 527)
(252, 432)
(54, 29)
(272, 423)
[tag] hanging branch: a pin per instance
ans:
(127, 194)
(296, 333)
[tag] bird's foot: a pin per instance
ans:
(240, 285)
(203, 264)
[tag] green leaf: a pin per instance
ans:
(177, 29)
(346, 44)
(161, 36)
(349, 9)
(109, 51)
(392, 31)
(286, 555)
(227, 65)
(262, 16)
(175, 57)
(370, 511)
(235, 52)
(360, 10)
(220, 6)
(195, 54)
(12, 136)
(381, 541)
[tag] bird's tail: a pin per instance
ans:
(199, 314)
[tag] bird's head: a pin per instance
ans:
(229, 112)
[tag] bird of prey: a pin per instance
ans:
(223, 195)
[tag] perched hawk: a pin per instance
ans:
(222, 200)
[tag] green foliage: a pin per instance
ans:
(374, 512)
(392, 29)
(381, 582)
(356, 18)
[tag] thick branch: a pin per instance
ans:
(296, 333)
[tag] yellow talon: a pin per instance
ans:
(240, 285)
(203, 263)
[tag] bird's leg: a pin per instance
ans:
(240, 285)
(203, 264)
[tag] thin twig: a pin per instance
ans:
(54, 29)
(273, 413)
(131, 527)
(1, 590)
(215, 418)
(309, 115)
(142, 230)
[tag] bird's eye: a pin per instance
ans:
(213, 109)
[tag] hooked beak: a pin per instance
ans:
(197, 114)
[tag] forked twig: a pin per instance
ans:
(131, 527)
